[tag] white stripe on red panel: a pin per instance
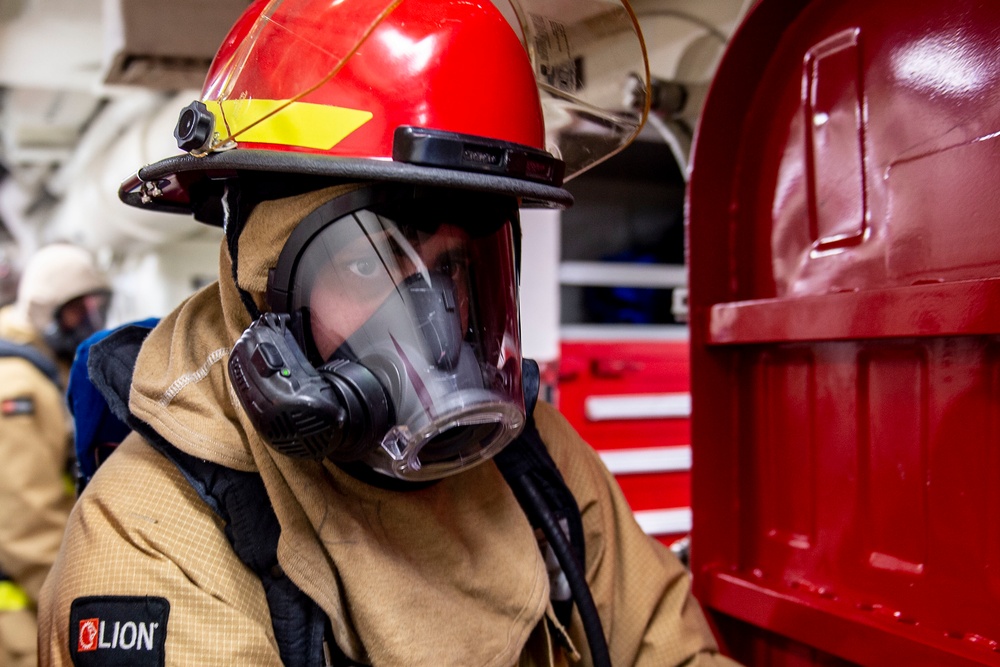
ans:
(637, 406)
(675, 521)
(649, 459)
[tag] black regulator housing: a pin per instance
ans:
(338, 411)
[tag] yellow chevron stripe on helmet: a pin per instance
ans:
(285, 122)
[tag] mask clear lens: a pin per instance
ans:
(422, 292)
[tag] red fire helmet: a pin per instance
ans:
(440, 92)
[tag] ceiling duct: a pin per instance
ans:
(11, 9)
(40, 126)
(165, 45)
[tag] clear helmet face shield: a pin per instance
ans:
(588, 59)
(423, 294)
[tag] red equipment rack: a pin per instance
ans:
(630, 399)
(844, 250)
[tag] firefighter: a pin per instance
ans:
(62, 297)
(337, 456)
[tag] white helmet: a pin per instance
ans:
(53, 277)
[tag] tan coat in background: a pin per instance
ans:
(35, 445)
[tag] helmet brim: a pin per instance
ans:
(167, 185)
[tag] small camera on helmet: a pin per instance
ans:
(195, 128)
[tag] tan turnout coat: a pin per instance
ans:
(34, 501)
(446, 575)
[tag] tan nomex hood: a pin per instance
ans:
(449, 574)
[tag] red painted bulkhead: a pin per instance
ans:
(844, 249)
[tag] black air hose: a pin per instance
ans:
(536, 508)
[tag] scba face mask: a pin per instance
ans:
(400, 305)
(75, 320)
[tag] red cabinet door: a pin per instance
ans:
(630, 400)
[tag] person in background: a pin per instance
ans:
(61, 299)
(337, 457)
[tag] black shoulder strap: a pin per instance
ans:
(29, 353)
